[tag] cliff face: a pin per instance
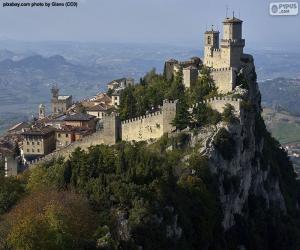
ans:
(247, 171)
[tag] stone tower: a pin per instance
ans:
(228, 53)
(55, 92)
(111, 128)
(232, 44)
(42, 111)
(211, 44)
(169, 113)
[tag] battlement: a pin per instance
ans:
(219, 103)
(221, 69)
(216, 50)
(157, 113)
(237, 42)
(152, 125)
(139, 118)
(216, 99)
(169, 101)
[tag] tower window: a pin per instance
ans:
(208, 40)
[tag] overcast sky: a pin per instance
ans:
(178, 22)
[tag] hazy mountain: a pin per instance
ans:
(281, 93)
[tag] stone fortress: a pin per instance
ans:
(222, 57)
(223, 61)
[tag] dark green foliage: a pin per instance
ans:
(183, 118)
(154, 88)
(225, 144)
(11, 190)
(204, 88)
(204, 115)
(139, 181)
(228, 114)
(2, 165)
(109, 92)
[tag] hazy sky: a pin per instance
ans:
(179, 22)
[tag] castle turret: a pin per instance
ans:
(211, 46)
(232, 44)
(42, 111)
(59, 103)
(55, 92)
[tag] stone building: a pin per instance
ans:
(60, 103)
(38, 142)
(99, 110)
(67, 135)
(172, 66)
(116, 98)
(42, 111)
(81, 120)
(190, 76)
(224, 58)
(120, 83)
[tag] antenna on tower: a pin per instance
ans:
(226, 10)
(233, 13)
(212, 27)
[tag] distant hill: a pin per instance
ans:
(25, 83)
(284, 126)
(282, 94)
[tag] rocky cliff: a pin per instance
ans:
(244, 173)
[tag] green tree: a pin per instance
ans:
(11, 190)
(182, 118)
(228, 113)
(127, 103)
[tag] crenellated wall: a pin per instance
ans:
(224, 78)
(151, 126)
(142, 128)
(219, 103)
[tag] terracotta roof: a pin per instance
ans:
(99, 107)
(39, 131)
(78, 130)
(79, 117)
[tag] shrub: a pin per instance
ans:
(228, 114)
(224, 144)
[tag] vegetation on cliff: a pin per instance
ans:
(162, 195)
(117, 197)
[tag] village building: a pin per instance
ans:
(18, 128)
(99, 110)
(67, 135)
(116, 98)
(38, 142)
(81, 120)
(42, 111)
(60, 103)
(120, 83)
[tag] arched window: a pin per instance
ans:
(208, 40)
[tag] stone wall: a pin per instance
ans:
(108, 135)
(219, 103)
(224, 78)
(151, 126)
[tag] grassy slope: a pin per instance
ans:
(284, 127)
